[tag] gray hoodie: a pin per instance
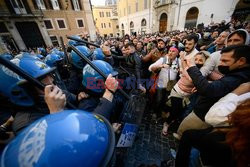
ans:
(247, 40)
(212, 63)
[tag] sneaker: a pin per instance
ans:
(177, 136)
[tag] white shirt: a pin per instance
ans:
(218, 113)
(165, 72)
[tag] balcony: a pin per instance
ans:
(114, 18)
(33, 14)
(160, 3)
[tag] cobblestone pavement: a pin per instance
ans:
(150, 148)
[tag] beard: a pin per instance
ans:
(160, 49)
(189, 50)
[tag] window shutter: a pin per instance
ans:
(48, 4)
(35, 4)
(80, 4)
(26, 6)
(60, 4)
(72, 5)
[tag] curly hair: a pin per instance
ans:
(239, 136)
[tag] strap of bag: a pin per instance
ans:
(164, 60)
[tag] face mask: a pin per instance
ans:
(199, 65)
(224, 69)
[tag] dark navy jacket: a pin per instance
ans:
(210, 93)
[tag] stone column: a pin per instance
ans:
(90, 20)
(15, 34)
(44, 32)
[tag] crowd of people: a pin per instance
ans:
(199, 78)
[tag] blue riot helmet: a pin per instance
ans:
(76, 60)
(7, 56)
(35, 68)
(74, 43)
(55, 50)
(12, 85)
(98, 54)
(58, 52)
(61, 54)
(27, 55)
(68, 138)
(92, 80)
(10, 88)
(52, 59)
(39, 56)
(42, 51)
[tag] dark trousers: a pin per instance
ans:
(176, 109)
(211, 145)
(160, 99)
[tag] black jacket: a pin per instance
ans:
(100, 106)
(133, 61)
(210, 93)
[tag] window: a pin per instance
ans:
(136, 7)
(76, 5)
(145, 4)
(109, 25)
(80, 23)
(143, 22)
(111, 35)
(163, 1)
(104, 25)
(117, 26)
(107, 14)
(131, 27)
(131, 24)
(100, 13)
(40, 4)
(48, 24)
(18, 6)
(55, 4)
(61, 23)
(129, 9)
(54, 40)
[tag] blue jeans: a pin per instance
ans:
(194, 159)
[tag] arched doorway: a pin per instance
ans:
(131, 27)
(191, 17)
(163, 23)
(123, 32)
(143, 26)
